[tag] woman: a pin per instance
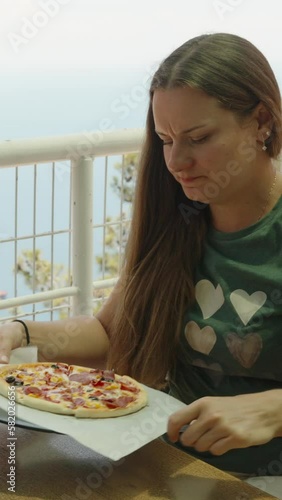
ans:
(198, 304)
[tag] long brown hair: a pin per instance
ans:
(167, 232)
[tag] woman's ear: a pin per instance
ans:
(263, 123)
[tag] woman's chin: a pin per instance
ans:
(195, 195)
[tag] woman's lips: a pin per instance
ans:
(188, 180)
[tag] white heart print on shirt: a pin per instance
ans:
(201, 340)
(247, 305)
(209, 298)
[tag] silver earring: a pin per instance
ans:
(264, 147)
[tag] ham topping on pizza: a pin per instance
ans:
(74, 387)
(84, 378)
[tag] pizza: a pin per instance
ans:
(72, 390)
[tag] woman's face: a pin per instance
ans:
(206, 147)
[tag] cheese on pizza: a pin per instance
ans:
(73, 390)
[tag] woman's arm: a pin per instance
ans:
(107, 311)
(80, 340)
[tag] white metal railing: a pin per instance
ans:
(80, 150)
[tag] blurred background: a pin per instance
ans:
(71, 66)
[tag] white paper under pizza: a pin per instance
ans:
(113, 437)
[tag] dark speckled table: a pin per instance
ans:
(51, 466)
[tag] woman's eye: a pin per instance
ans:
(199, 141)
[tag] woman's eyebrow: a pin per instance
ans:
(184, 131)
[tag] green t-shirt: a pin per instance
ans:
(232, 338)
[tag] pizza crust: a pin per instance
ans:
(4, 386)
(120, 412)
(133, 407)
(30, 401)
(37, 402)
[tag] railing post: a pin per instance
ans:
(82, 234)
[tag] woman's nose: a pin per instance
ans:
(179, 159)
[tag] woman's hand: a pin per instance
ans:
(11, 336)
(219, 424)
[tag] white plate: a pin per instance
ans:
(114, 437)
(22, 423)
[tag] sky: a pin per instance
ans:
(86, 34)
